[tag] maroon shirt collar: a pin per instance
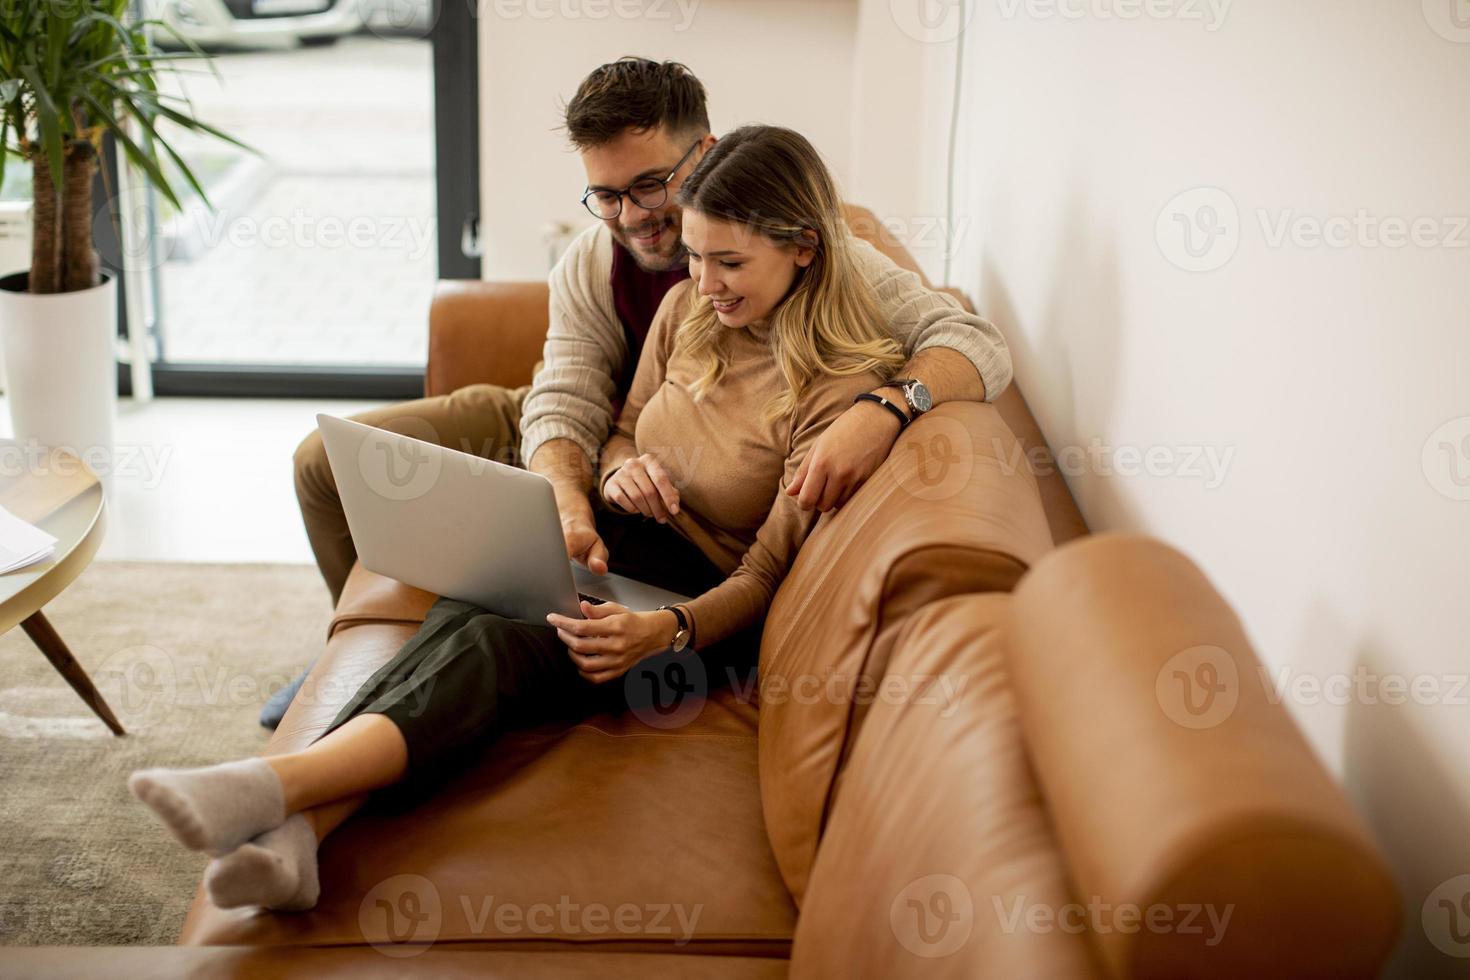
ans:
(636, 297)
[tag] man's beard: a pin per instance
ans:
(666, 262)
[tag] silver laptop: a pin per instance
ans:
(465, 527)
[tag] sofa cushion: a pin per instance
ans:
(946, 514)
(939, 852)
(546, 839)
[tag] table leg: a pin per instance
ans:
(40, 630)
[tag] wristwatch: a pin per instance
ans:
(685, 632)
(915, 394)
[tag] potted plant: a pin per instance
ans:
(71, 73)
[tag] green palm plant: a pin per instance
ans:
(71, 72)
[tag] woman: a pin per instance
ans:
(745, 365)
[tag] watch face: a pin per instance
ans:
(920, 396)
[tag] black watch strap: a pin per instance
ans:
(679, 615)
(868, 396)
(684, 626)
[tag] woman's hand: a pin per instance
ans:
(613, 638)
(642, 486)
(844, 456)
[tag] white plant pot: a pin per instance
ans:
(61, 367)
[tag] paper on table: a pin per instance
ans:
(22, 543)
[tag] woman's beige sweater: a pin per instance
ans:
(729, 466)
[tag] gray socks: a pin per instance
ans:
(276, 870)
(216, 808)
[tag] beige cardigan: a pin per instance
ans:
(586, 350)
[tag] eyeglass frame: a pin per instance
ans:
(628, 191)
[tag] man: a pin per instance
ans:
(640, 128)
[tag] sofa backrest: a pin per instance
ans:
(939, 860)
(946, 514)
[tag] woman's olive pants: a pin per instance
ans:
(468, 675)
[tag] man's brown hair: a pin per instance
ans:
(638, 94)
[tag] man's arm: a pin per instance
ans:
(949, 375)
(585, 352)
(923, 319)
(563, 462)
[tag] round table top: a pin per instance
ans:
(60, 494)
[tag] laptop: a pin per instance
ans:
(462, 526)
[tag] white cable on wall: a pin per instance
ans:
(954, 130)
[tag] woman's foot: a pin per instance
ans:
(276, 870)
(217, 808)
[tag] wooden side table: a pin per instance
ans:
(58, 493)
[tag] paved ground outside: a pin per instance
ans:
(325, 252)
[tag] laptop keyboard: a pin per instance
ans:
(591, 598)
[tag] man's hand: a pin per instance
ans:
(612, 639)
(642, 486)
(564, 463)
(844, 456)
(584, 544)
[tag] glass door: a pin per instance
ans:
(312, 274)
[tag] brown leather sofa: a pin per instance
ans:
(974, 752)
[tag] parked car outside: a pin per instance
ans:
(398, 18)
(245, 23)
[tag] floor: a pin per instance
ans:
(207, 479)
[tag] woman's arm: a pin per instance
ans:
(612, 639)
(745, 596)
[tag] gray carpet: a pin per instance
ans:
(186, 655)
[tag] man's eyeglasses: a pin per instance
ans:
(646, 192)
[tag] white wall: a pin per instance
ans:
(902, 94)
(1340, 529)
(786, 62)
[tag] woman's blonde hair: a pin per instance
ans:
(772, 181)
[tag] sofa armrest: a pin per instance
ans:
(485, 333)
(1175, 781)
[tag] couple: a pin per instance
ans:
(773, 360)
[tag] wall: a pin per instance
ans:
(1331, 382)
(785, 62)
